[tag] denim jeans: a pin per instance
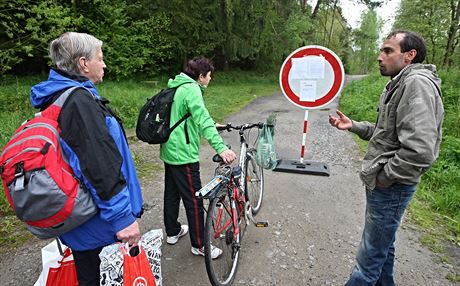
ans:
(375, 258)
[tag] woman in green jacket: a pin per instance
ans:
(180, 154)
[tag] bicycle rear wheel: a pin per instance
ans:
(254, 182)
(220, 232)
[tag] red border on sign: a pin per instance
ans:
(330, 95)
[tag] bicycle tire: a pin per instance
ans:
(222, 270)
(254, 181)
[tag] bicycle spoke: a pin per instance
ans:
(254, 183)
(220, 233)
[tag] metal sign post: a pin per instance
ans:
(311, 77)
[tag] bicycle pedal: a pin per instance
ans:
(261, 224)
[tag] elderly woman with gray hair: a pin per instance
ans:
(93, 140)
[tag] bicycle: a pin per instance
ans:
(235, 195)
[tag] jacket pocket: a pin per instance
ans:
(370, 170)
(390, 118)
(381, 117)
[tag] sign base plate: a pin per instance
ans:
(307, 167)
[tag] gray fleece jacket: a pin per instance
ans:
(405, 140)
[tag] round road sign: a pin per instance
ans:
(311, 77)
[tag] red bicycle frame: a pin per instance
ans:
(235, 198)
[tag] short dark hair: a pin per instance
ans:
(411, 41)
(201, 65)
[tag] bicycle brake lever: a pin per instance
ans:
(229, 127)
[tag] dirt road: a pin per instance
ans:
(315, 223)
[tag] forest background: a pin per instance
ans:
(146, 42)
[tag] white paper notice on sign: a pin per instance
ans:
(308, 90)
(310, 67)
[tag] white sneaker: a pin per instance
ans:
(174, 239)
(215, 251)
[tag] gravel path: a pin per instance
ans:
(315, 223)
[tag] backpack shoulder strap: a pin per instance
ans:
(176, 87)
(63, 97)
(53, 110)
(187, 115)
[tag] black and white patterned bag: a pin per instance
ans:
(112, 259)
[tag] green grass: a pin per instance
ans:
(436, 207)
(231, 90)
(453, 277)
(13, 233)
(235, 95)
(145, 167)
(227, 93)
(14, 104)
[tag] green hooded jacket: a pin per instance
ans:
(189, 98)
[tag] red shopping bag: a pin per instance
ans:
(136, 267)
(65, 274)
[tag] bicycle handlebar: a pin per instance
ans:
(229, 127)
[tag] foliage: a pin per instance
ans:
(365, 43)
(132, 45)
(153, 37)
(330, 30)
(431, 19)
(193, 24)
(440, 186)
(27, 27)
(359, 99)
(12, 234)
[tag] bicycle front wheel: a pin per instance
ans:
(254, 182)
(220, 233)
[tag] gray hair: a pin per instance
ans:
(66, 51)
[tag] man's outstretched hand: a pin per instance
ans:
(342, 122)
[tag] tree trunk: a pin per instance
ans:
(453, 29)
(325, 24)
(315, 11)
(303, 5)
(332, 22)
(224, 15)
(453, 49)
(432, 37)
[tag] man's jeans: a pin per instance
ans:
(375, 258)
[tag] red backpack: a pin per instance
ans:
(38, 182)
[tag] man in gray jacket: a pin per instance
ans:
(403, 144)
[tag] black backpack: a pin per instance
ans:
(154, 118)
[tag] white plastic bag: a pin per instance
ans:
(112, 259)
(51, 258)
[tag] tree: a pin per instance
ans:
(372, 4)
(27, 28)
(365, 42)
(452, 33)
(316, 9)
(149, 37)
(428, 18)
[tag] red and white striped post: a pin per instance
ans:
(304, 137)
